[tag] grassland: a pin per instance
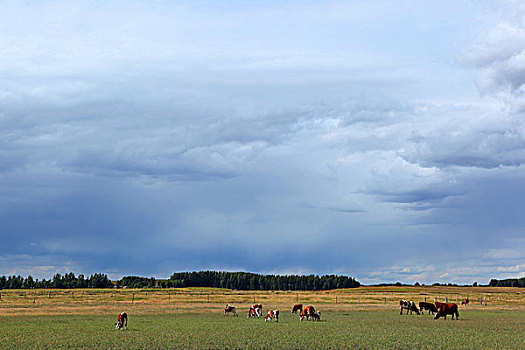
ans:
(362, 318)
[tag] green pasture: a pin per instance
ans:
(338, 330)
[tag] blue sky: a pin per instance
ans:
(384, 140)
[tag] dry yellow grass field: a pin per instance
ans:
(149, 301)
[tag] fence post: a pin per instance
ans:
(133, 298)
(297, 297)
(385, 300)
(336, 299)
(169, 297)
(208, 298)
(34, 299)
(358, 301)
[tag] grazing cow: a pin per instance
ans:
(409, 305)
(230, 309)
(446, 309)
(465, 301)
(316, 316)
(255, 310)
(122, 321)
(271, 315)
(258, 308)
(297, 307)
(307, 312)
(427, 306)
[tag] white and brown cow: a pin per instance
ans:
(255, 310)
(271, 315)
(307, 312)
(230, 309)
(409, 305)
(122, 321)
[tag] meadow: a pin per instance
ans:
(359, 318)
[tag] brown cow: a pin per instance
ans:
(307, 312)
(427, 306)
(316, 316)
(446, 309)
(230, 309)
(122, 321)
(255, 310)
(297, 307)
(271, 315)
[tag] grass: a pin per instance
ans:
(362, 318)
(348, 330)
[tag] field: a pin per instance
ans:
(360, 318)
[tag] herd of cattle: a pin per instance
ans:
(439, 309)
(256, 310)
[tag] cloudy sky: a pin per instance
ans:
(382, 139)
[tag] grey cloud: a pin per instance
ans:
(419, 199)
(118, 154)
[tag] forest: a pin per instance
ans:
(215, 279)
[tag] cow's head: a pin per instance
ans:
(439, 313)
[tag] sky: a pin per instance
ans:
(384, 140)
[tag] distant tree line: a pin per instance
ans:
(510, 282)
(252, 281)
(69, 280)
(137, 282)
(214, 279)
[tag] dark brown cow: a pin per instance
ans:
(297, 307)
(316, 316)
(122, 321)
(230, 309)
(307, 312)
(446, 309)
(427, 306)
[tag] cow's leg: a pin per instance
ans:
(401, 312)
